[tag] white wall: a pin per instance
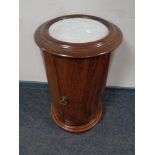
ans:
(35, 12)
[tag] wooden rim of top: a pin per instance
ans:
(78, 50)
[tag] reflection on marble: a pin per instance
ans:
(78, 30)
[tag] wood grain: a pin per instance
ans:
(77, 74)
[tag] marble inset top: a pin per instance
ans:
(78, 30)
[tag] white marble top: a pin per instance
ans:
(78, 30)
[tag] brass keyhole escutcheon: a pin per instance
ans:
(63, 100)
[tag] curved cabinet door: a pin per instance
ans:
(76, 85)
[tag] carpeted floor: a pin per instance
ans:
(39, 135)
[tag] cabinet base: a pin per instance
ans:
(77, 129)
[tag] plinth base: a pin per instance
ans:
(77, 129)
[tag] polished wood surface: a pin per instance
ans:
(81, 81)
(77, 74)
(78, 50)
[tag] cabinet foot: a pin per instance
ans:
(77, 129)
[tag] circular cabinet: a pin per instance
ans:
(76, 51)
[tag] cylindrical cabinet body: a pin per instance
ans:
(77, 73)
(81, 81)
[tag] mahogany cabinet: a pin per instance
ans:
(76, 51)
